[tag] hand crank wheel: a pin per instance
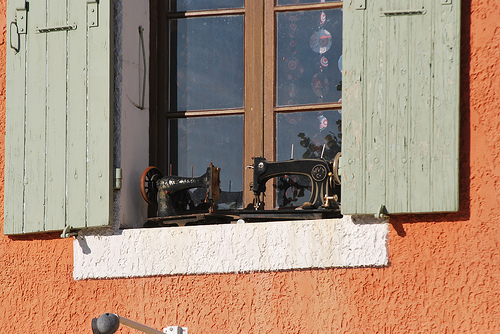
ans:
(148, 184)
(336, 166)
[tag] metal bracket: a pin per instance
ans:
(66, 234)
(18, 27)
(404, 12)
(360, 4)
(92, 13)
(17, 38)
(117, 180)
(21, 20)
(175, 330)
(382, 212)
(56, 28)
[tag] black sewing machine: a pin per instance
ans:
(325, 181)
(171, 193)
(178, 206)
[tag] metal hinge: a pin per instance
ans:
(18, 26)
(92, 13)
(21, 20)
(117, 179)
(360, 4)
(66, 232)
(382, 212)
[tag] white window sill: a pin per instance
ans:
(326, 243)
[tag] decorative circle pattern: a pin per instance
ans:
(320, 84)
(323, 18)
(320, 41)
(323, 122)
(318, 173)
(324, 61)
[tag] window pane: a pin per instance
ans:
(309, 50)
(307, 132)
(296, 2)
(199, 141)
(185, 5)
(206, 65)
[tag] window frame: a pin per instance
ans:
(259, 83)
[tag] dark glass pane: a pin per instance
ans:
(296, 2)
(206, 65)
(197, 142)
(185, 5)
(309, 50)
(308, 132)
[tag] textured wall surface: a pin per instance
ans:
(443, 275)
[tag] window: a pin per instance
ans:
(242, 79)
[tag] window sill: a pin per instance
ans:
(250, 247)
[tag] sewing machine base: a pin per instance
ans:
(277, 215)
(189, 220)
(249, 216)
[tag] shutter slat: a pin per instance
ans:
(36, 115)
(444, 160)
(398, 109)
(56, 117)
(77, 118)
(420, 126)
(353, 147)
(99, 120)
(14, 142)
(375, 124)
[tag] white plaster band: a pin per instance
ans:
(232, 248)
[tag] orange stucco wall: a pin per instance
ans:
(443, 277)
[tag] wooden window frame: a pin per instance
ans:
(259, 82)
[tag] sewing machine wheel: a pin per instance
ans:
(336, 165)
(148, 184)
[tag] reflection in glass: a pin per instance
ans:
(185, 5)
(309, 46)
(308, 132)
(197, 142)
(206, 65)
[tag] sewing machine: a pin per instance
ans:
(172, 196)
(171, 192)
(323, 175)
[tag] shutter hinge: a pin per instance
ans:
(21, 20)
(117, 179)
(18, 26)
(66, 232)
(360, 4)
(382, 212)
(92, 13)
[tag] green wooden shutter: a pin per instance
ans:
(401, 62)
(58, 122)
